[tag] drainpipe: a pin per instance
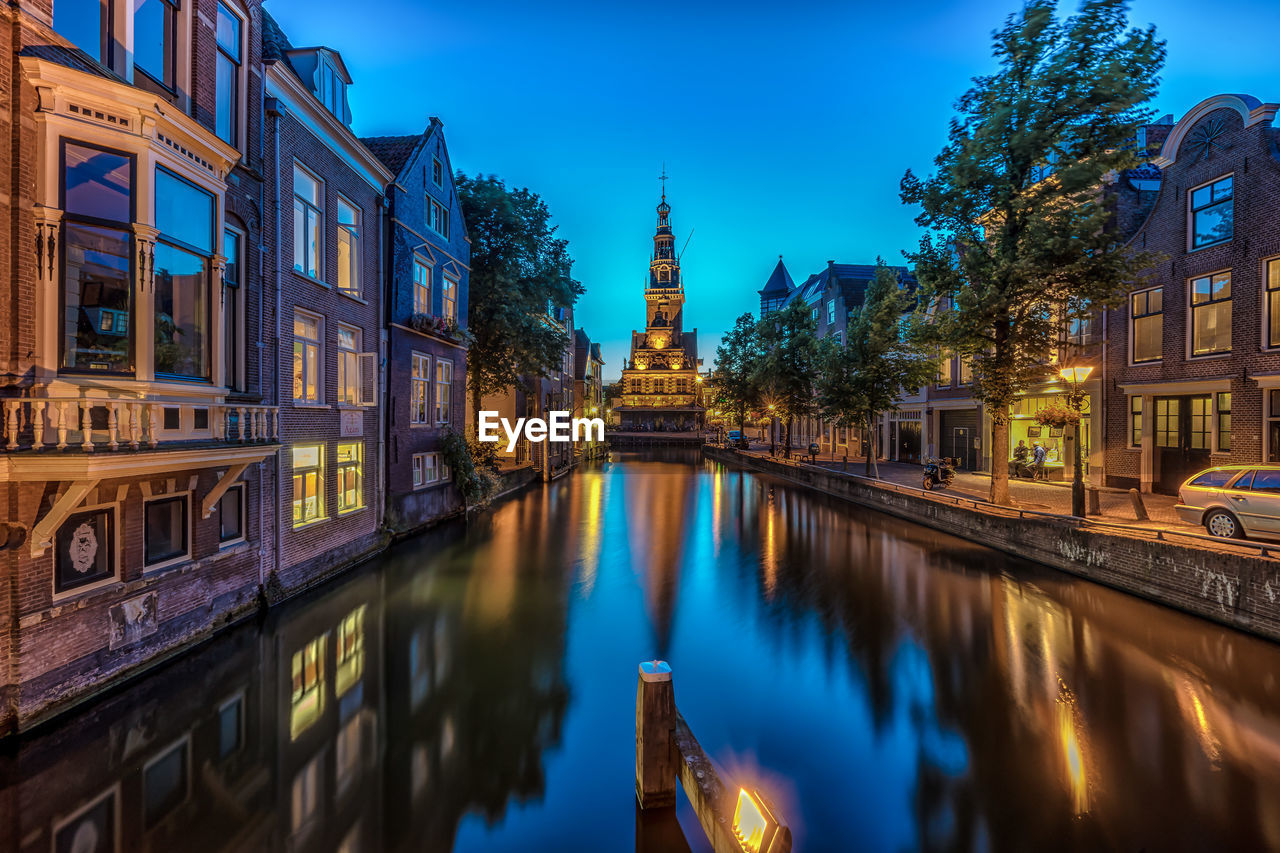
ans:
(273, 111)
(381, 398)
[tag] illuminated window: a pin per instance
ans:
(943, 379)
(308, 214)
(1212, 213)
(444, 390)
(1135, 421)
(1224, 421)
(1211, 314)
(1146, 321)
(308, 483)
(966, 369)
(307, 698)
(1273, 302)
(421, 287)
(307, 358)
(348, 365)
(1168, 424)
(449, 299)
(1201, 411)
(348, 247)
(419, 388)
(350, 476)
(350, 664)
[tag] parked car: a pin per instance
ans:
(1233, 501)
(735, 438)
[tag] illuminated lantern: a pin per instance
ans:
(754, 826)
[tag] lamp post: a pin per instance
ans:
(1075, 378)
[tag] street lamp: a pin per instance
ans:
(1075, 377)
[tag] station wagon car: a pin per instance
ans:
(1233, 501)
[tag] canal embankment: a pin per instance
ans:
(1237, 584)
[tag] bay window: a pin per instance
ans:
(184, 217)
(227, 111)
(97, 242)
(1211, 314)
(308, 214)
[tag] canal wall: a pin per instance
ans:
(1236, 585)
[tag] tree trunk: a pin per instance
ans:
(999, 457)
(875, 447)
(475, 411)
(866, 468)
(786, 440)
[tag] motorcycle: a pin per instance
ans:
(938, 474)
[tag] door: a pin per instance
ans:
(957, 430)
(960, 445)
(908, 441)
(1256, 501)
(1183, 431)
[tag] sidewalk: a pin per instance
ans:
(1045, 497)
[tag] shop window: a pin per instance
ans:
(85, 550)
(167, 534)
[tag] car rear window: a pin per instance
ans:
(1266, 481)
(1217, 479)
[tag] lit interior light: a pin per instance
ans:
(753, 824)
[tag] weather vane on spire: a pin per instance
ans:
(663, 178)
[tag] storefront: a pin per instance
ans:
(1024, 428)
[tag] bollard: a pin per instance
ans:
(657, 766)
(1095, 501)
(1139, 509)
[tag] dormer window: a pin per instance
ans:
(332, 89)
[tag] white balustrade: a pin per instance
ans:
(44, 423)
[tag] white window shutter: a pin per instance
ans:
(368, 378)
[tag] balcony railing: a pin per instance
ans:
(53, 423)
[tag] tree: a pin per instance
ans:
(734, 378)
(865, 377)
(790, 355)
(519, 271)
(1019, 238)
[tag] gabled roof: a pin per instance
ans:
(393, 151)
(779, 283)
(852, 279)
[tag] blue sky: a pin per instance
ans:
(785, 127)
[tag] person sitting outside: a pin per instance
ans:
(1038, 456)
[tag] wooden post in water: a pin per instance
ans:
(657, 765)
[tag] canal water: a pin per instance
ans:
(888, 687)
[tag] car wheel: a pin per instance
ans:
(1223, 525)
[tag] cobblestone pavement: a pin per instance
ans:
(1116, 504)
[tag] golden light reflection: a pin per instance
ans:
(1193, 708)
(1072, 751)
(592, 525)
(770, 555)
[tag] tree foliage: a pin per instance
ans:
(789, 360)
(866, 376)
(735, 377)
(519, 270)
(1019, 237)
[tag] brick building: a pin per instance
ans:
(323, 276)
(1194, 355)
(138, 436)
(427, 254)
(588, 386)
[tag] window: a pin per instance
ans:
(348, 365)
(231, 515)
(1224, 421)
(87, 24)
(1212, 212)
(165, 783)
(86, 550)
(1147, 322)
(308, 483)
(307, 351)
(1273, 302)
(437, 172)
(421, 287)
(831, 311)
(1217, 478)
(227, 112)
(1266, 481)
(332, 89)
(444, 389)
(308, 214)
(419, 388)
(439, 218)
(184, 217)
(350, 651)
(232, 310)
(155, 40)
(1168, 429)
(943, 379)
(966, 369)
(1201, 430)
(427, 469)
(97, 244)
(449, 299)
(230, 727)
(307, 697)
(350, 476)
(1135, 421)
(1211, 314)
(166, 529)
(1080, 329)
(348, 247)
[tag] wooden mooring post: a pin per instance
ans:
(735, 819)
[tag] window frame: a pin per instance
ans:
(205, 254)
(171, 57)
(445, 402)
(421, 403)
(115, 553)
(437, 172)
(449, 296)
(1271, 320)
(184, 556)
(244, 516)
(437, 215)
(300, 521)
(342, 468)
(309, 208)
(419, 306)
(319, 343)
(238, 107)
(348, 363)
(1193, 211)
(1135, 317)
(1136, 413)
(1194, 307)
(351, 231)
(234, 321)
(1219, 413)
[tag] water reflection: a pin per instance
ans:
(889, 687)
